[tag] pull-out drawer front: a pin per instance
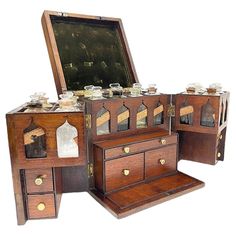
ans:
(140, 146)
(41, 206)
(124, 171)
(160, 161)
(39, 180)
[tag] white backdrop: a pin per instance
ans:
(172, 43)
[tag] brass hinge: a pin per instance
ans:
(90, 170)
(171, 110)
(88, 121)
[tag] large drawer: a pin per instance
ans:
(41, 206)
(124, 171)
(160, 161)
(39, 180)
(128, 149)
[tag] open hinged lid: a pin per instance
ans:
(86, 50)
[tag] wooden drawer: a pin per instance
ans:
(41, 206)
(160, 161)
(39, 180)
(128, 149)
(124, 171)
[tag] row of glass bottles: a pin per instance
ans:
(196, 88)
(123, 118)
(207, 114)
(66, 137)
(116, 90)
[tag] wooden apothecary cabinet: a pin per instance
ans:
(123, 151)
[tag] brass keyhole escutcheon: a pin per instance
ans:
(126, 150)
(163, 141)
(126, 172)
(41, 206)
(39, 180)
(162, 161)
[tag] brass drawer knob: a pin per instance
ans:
(221, 136)
(162, 161)
(163, 141)
(39, 180)
(125, 172)
(126, 150)
(41, 206)
(218, 154)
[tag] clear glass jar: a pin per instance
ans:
(88, 91)
(152, 89)
(116, 89)
(214, 88)
(136, 90)
(97, 92)
(38, 103)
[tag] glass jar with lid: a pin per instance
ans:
(136, 90)
(116, 89)
(97, 92)
(88, 91)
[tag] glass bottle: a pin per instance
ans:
(67, 145)
(103, 121)
(123, 118)
(158, 114)
(97, 92)
(141, 118)
(35, 142)
(207, 115)
(186, 114)
(116, 89)
(136, 90)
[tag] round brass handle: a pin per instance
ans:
(218, 154)
(163, 141)
(221, 136)
(126, 150)
(126, 172)
(41, 206)
(162, 161)
(39, 180)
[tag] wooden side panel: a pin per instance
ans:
(16, 176)
(75, 179)
(98, 168)
(198, 147)
(49, 122)
(196, 102)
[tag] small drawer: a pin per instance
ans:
(124, 171)
(39, 180)
(41, 206)
(160, 161)
(128, 149)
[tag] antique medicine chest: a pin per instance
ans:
(120, 150)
